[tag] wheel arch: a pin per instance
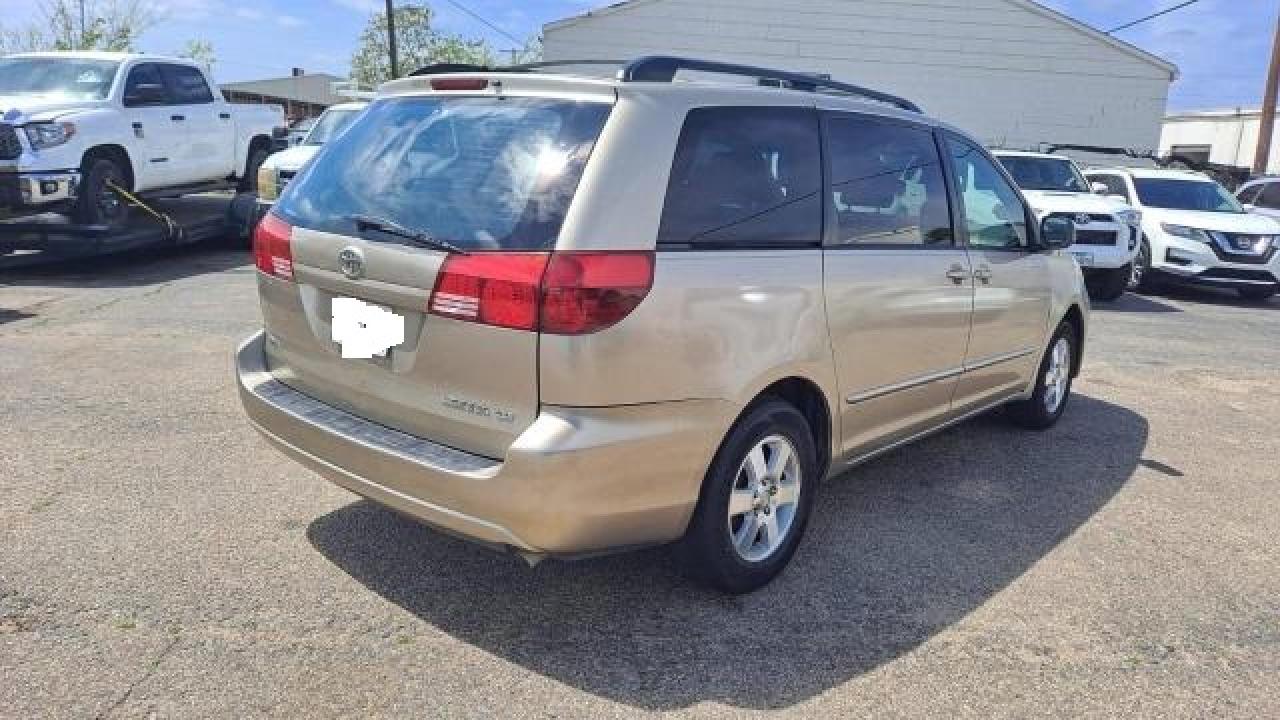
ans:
(1075, 317)
(258, 142)
(807, 397)
(117, 153)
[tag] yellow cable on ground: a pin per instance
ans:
(173, 229)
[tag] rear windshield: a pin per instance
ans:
(1032, 173)
(483, 173)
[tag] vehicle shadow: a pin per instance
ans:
(1216, 296)
(899, 549)
(1133, 303)
(131, 268)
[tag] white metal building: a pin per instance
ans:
(1229, 137)
(1012, 72)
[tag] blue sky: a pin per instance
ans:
(1221, 46)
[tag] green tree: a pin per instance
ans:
(112, 25)
(417, 44)
(201, 51)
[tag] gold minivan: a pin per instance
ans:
(564, 315)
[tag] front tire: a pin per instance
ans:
(1141, 279)
(1053, 383)
(1257, 294)
(97, 203)
(755, 501)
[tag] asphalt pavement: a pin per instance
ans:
(158, 559)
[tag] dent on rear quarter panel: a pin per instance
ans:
(716, 325)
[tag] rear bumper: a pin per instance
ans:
(577, 481)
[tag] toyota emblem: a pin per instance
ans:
(1083, 219)
(351, 262)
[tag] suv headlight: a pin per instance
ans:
(1189, 233)
(49, 134)
(1132, 218)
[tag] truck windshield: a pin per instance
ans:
(330, 125)
(77, 79)
(1201, 195)
(1034, 173)
(482, 173)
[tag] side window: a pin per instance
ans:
(1115, 185)
(145, 86)
(1270, 196)
(187, 85)
(745, 177)
(887, 184)
(994, 214)
(1249, 195)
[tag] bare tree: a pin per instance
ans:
(112, 25)
(201, 51)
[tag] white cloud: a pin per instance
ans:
(290, 21)
(364, 6)
(248, 13)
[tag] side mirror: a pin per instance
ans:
(1057, 232)
(279, 133)
(145, 94)
(1099, 188)
(1249, 207)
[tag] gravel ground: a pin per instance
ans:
(158, 559)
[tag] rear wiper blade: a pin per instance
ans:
(417, 237)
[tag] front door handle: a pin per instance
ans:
(983, 274)
(224, 116)
(958, 274)
(177, 118)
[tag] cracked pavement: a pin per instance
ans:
(158, 559)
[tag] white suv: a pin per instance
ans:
(1195, 231)
(1107, 228)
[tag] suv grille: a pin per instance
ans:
(1095, 237)
(10, 148)
(1243, 258)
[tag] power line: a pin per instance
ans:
(1152, 16)
(485, 22)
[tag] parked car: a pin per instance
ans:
(74, 123)
(1195, 231)
(279, 168)
(298, 130)
(1107, 230)
(565, 316)
(1261, 196)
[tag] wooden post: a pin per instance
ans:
(391, 39)
(1267, 123)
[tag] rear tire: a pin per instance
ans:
(1110, 285)
(755, 501)
(1257, 294)
(1053, 384)
(97, 203)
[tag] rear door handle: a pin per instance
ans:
(984, 274)
(225, 116)
(958, 274)
(177, 118)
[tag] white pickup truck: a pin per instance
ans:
(72, 124)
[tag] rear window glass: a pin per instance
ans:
(745, 177)
(481, 173)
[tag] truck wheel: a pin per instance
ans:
(1109, 285)
(1257, 294)
(755, 501)
(97, 203)
(249, 183)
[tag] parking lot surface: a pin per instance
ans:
(158, 558)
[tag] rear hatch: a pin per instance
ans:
(367, 227)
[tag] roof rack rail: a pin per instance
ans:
(663, 68)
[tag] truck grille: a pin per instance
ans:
(10, 148)
(1095, 237)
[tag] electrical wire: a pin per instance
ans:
(1152, 16)
(485, 22)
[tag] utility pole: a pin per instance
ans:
(1267, 123)
(391, 39)
(81, 25)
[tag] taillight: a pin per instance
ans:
(583, 292)
(490, 288)
(563, 293)
(459, 83)
(271, 251)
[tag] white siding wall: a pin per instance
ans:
(1233, 139)
(1005, 73)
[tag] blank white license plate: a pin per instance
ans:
(364, 330)
(1084, 259)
